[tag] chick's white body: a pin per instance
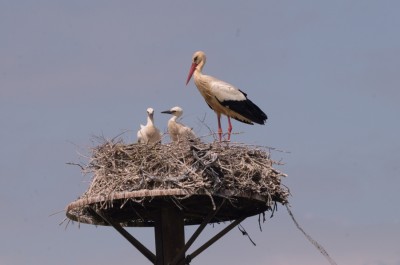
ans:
(149, 134)
(176, 130)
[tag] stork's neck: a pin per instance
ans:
(173, 118)
(197, 74)
(150, 120)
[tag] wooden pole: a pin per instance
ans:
(189, 243)
(169, 233)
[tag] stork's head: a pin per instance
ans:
(176, 111)
(150, 112)
(198, 61)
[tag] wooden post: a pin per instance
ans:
(215, 238)
(147, 253)
(169, 233)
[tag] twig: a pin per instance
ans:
(241, 229)
(314, 242)
(75, 164)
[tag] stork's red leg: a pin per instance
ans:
(219, 126)
(229, 128)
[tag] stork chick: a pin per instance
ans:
(149, 134)
(224, 98)
(176, 130)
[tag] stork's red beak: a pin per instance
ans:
(192, 68)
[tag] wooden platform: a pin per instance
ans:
(140, 208)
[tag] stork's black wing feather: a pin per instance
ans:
(247, 109)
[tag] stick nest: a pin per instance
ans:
(192, 166)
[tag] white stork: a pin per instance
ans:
(149, 134)
(224, 98)
(176, 130)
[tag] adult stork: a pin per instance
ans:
(149, 134)
(177, 131)
(224, 98)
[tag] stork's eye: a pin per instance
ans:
(195, 59)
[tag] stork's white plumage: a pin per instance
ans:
(224, 98)
(176, 130)
(149, 134)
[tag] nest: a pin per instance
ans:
(135, 173)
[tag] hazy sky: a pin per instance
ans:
(326, 73)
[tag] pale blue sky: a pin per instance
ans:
(325, 72)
